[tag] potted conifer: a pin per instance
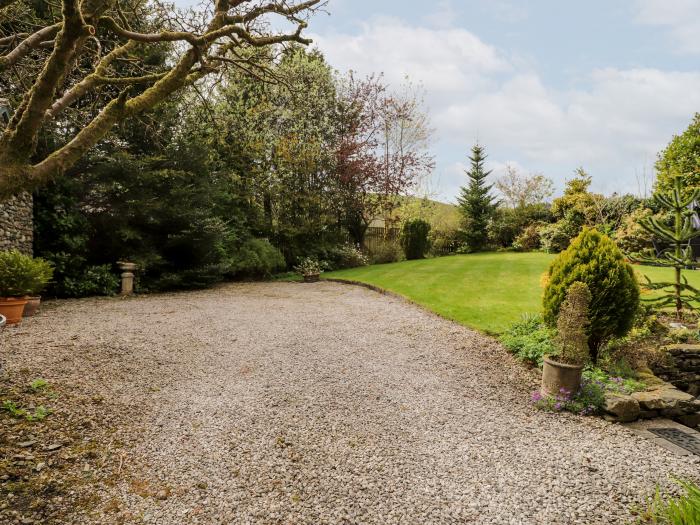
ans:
(561, 374)
(20, 276)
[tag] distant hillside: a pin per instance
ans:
(439, 214)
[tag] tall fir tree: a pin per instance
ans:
(476, 204)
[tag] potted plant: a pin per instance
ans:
(561, 373)
(20, 276)
(310, 270)
(41, 274)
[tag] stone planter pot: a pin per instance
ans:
(312, 278)
(556, 376)
(32, 306)
(12, 308)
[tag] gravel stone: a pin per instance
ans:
(327, 404)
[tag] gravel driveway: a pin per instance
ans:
(327, 404)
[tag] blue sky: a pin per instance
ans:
(544, 85)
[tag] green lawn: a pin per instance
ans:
(486, 291)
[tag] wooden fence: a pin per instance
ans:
(376, 236)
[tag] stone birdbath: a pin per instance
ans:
(128, 269)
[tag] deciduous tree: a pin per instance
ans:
(88, 54)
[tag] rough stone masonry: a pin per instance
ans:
(16, 223)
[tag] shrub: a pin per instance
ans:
(308, 266)
(594, 259)
(414, 238)
(529, 239)
(530, 340)
(557, 237)
(386, 251)
(444, 241)
(84, 282)
(572, 326)
(256, 258)
(630, 236)
(345, 256)
(22, 275)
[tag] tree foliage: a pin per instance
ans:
(593, 259)
(476, 203)
(678, 255)
(414, 238)
(681, 158)
(97, 54)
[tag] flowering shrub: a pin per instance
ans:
(590, 398)
(309, 266)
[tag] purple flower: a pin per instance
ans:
(558, 405)
(536, 396)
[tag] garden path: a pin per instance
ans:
(325, 403)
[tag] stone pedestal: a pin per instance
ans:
(128, 276)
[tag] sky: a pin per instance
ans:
(545, 86)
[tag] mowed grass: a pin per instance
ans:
(486, 291)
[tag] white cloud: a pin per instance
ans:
(613, 121)
(442, 59)
(681, 17)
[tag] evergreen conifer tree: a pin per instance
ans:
(476, 204)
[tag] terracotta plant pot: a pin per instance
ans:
(32, 306)
(312, 278)
(12, 308)
(556, 376)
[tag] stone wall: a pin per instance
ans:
(17, 224)
(681, 368)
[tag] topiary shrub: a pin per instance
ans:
(595, 260)
(414, 238)
(572, 326)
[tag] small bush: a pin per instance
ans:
(345, 256)
(84, 282)
(572, 326)
(22, 275)
(386, 251)
(529, 239)
(256, 258)
(309, 266)
(414, 238)
(444, 241)
(530, 340)
(594, 259)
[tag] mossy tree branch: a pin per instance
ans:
(234, 24)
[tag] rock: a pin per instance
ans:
(624, 408)
(666, 398)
